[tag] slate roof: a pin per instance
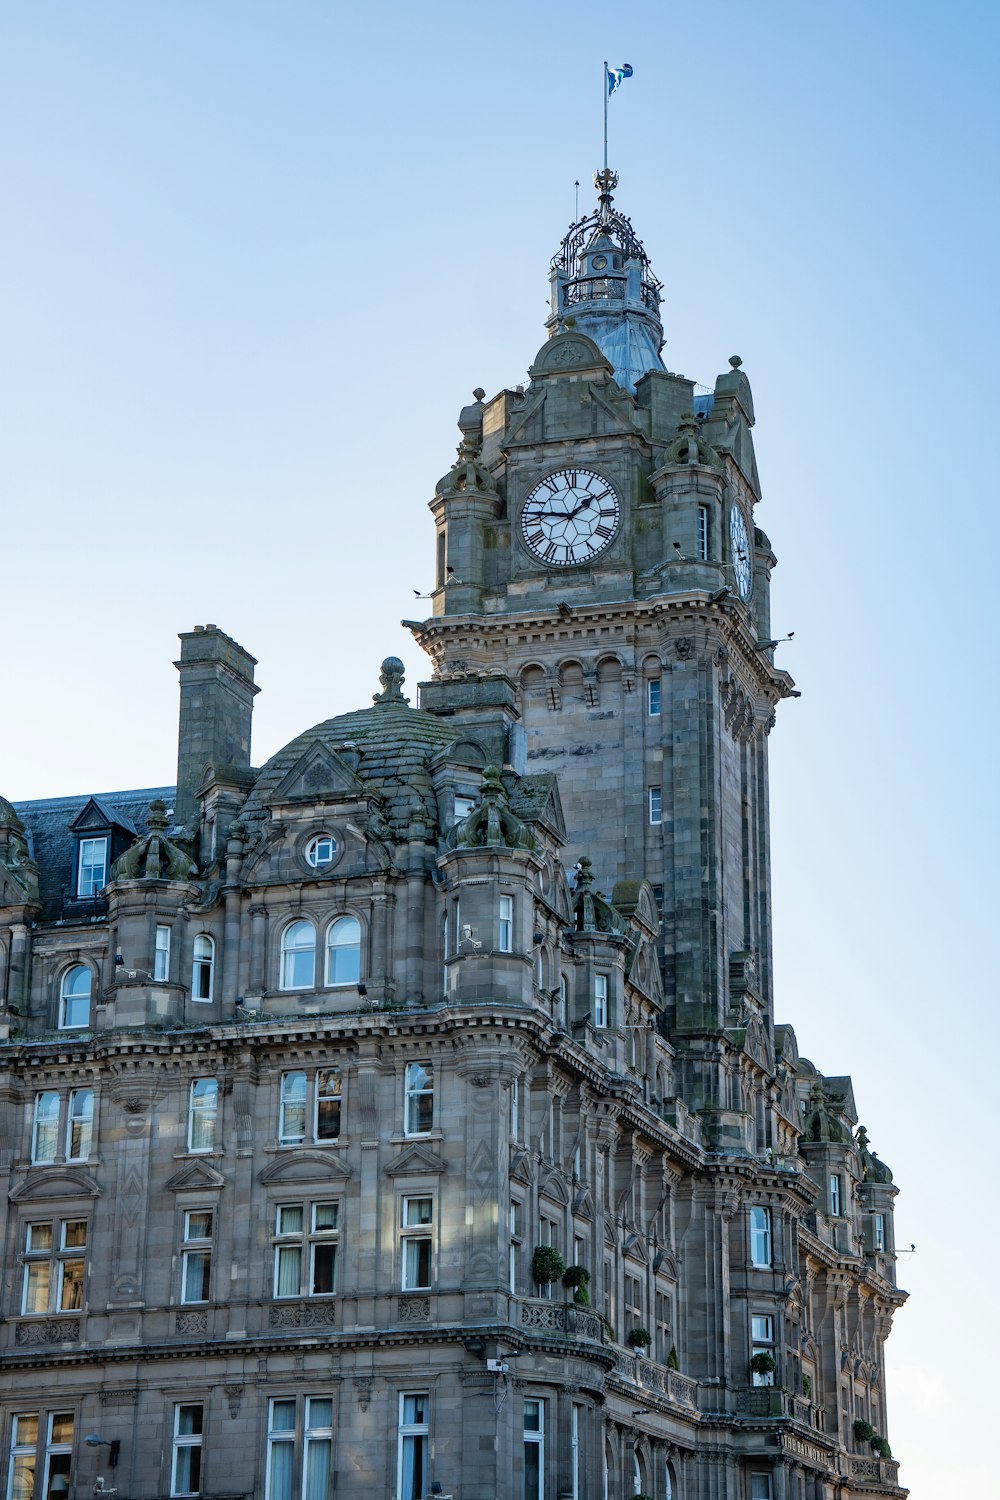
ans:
(396, 746)
(53, 845)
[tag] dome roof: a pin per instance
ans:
(388, 748)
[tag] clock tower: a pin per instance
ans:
(597, 547)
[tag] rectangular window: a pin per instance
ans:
(53, 1267)
(203, 1108)
(760, 1237)
(663, 1325)
(196, 1259)
(878, 1231)
(419, 1107)
(762, 1336)
(463, 806)
(515, 1109)
(505, 943)
(299, 1463)
(416, 1221)
(516, 1239)
(653, 699)
(655, 805)
(309, 1107)
(93, 867)
(185, 1468)
(760, 1487)
(633, 1301)
(703, 533)
(161, 954)
(56, 1429)
(534, 1450)
(412, 1440)
(600, 1000)
(45, 1128)
(306, 1241)
(79, 1124)
(835, 1195)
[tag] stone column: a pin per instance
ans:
(135, 1096)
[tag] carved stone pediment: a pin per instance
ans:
(195, 1175)
(552, 1185)
(415, 1161)
(56, 1182)
(305, 1166)
(319, 774)
(521, 1169)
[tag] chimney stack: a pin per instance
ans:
(217, 693)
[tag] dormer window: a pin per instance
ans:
(463, 806)
(92, 867)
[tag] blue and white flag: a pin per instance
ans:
(617, 76)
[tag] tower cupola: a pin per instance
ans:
(603, 286)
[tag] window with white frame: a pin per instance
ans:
(835, 1195)
(298, 956)
(196, 1255)
(321, 850)
(74, 998)
(703, 521)
(762, 1342)
(45, 1127)
(92, 867)
(463, 806)
(299, 1448)
(534, 1450)
(53, 1266)
(203, 968)
(655, 805)
(878, 1231)
(79, 1124)
(185, 1463)
(760, 1487)
(41, 1445)
(633, 1301)
(636, 1475)
(505, 935)
(310, 1107)
(419, 1102)
(654, 699)
(203, 1110)
(413, 1439)
(760, 1236)
(600, 1017)
(161, 954)
(306, 1241)
(515, 1215)
(664, 1323)
(515, 1109)
(343, 951)
(416, 1221)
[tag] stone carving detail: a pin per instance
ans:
(18, 871)
(301, 1314)
(48, 1331)
(127, 1396)
(234, 1396)
(391, 677)
(690, 447)
(492, 824)
(414, 1309)
(191, 1322)
(363, 1385)
(153, 856)
(683, 647)
(593, 912)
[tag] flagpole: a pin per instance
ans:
(604, 81)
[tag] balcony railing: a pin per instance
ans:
(768, 1401)
(653, 1377)
(874, 1471)
(565, 1319)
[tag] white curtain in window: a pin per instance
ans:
(317, 1475)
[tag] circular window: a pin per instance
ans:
(321, 850)
(599, 262)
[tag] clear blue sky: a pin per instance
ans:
(256, 257)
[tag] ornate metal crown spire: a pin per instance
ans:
(603, 285)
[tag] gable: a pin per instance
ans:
(196, 1174)
(59, 1184)
(305, 1166)
(96, 816)
(318, 774)
(415, 1161)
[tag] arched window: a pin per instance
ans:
(298, 956)
(343, 951)
(203, 969)
(668, 1490)
(74, 998)
(636, 1475)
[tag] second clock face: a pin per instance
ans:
(742, 564)
(570, 517)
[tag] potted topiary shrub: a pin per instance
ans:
(673, 1363)
(880, 1445)
(547, 1265)
(639, 1338)
(807, 1385)
(577, 1278)
(863, 1431)
(763, 1363)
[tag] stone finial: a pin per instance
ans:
(492, 824)
(592, 911)
(735, 361)
(18, 871)
(392, 675)
(689, 447)
(153, 856)
(872, 1170)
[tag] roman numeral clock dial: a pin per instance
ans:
(570, 517)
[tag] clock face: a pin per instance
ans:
(570, 517)
(742, 564)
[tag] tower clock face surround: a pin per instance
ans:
(740, 539)
(570, 517)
